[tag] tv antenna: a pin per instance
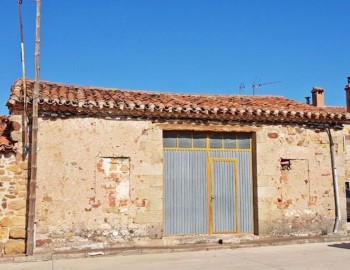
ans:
(241, 88)
(256, 85)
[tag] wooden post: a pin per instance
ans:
(25, 109)
(33, 155)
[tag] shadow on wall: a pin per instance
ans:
(342, 245)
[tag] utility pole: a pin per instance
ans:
(25, 109)
(33, 154)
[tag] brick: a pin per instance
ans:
(16, 126)
(272, 135)
(42, 242)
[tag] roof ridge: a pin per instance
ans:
(166, 92)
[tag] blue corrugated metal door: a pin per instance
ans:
(185, 192)
(223, 198)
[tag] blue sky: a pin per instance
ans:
(193, 46)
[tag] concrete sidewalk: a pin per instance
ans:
(334, 255)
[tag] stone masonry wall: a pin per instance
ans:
(99, 183)
(13, 194)
(294, 181)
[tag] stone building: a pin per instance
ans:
(127, 168)
(13, 189)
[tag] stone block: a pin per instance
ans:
(148, 217)
(267, 192)
(148, 169)
(267, 203)
(15, 118)
(22, 212)
(267, 181)
(149, 181)
(155, 231)
(4, 233)
(13, 168)
(8, 179)
(260, 137)
(22, 194)
(18, 234)
(265, 227)
(341, 170)
(16, 136)
(24, 165)
(149, 192)
(16, 204)
(267, 169)
(14, 247)
(13, 221)
(154, 204)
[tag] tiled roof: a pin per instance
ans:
(5, 128)
(72, 99)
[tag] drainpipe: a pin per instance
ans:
(335, 182)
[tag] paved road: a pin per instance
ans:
(306, 256)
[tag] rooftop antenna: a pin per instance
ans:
(241, 88)
(256, 85)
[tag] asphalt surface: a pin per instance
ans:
(333, 255)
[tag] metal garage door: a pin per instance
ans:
(207, 183)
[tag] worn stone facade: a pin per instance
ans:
(295, 194)
(100, 182)
(13, 194)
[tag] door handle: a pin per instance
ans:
(212, 197)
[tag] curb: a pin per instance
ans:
(89, 253)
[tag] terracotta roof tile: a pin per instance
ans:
(62, 98)
(6, 144)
